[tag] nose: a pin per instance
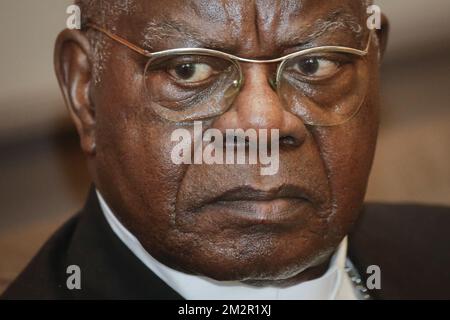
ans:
(257, 106)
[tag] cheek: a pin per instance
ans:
(133, 165)
(141, 173)
(348, 152)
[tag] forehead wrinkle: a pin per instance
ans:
(270, 16)
(222, 11)
(221, 24)
(235, 14)
(167, 28)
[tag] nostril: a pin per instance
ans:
(289, 141)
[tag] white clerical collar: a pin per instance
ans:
(334, 284)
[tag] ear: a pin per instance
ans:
(73, 70)
(383, 35)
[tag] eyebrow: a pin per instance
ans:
(338, 19)
(158, 31)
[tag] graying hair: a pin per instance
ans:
(104, 13)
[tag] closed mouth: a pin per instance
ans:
(286, 204)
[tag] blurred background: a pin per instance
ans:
(43, 175)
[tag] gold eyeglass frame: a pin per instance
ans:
(237, 60)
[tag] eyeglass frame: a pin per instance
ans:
(211, 52)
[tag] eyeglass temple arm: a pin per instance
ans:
(149, 54)
(369, 42)
(120, 40)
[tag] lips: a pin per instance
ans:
(253, 194)
(285, 204)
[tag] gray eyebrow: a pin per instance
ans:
(338, 19)
(157, 31)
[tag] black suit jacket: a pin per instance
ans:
(410, 244)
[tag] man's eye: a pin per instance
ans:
(191, 72)
(316, 67)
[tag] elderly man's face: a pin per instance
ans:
(228, 222)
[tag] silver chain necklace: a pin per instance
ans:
(359, 288)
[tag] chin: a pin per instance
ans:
(266, 266)
(260, 275)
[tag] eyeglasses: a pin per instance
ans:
(324, 86)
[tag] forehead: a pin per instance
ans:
(224, 11)
(242, 24)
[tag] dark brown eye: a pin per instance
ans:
(309, 66)
(185, 71)
(316, 67)
(191, 72)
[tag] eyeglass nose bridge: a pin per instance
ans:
(272, 79)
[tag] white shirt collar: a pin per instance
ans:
(334, 284)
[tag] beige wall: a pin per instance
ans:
(29, 97)
(416, 24)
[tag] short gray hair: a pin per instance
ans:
(104, 13)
